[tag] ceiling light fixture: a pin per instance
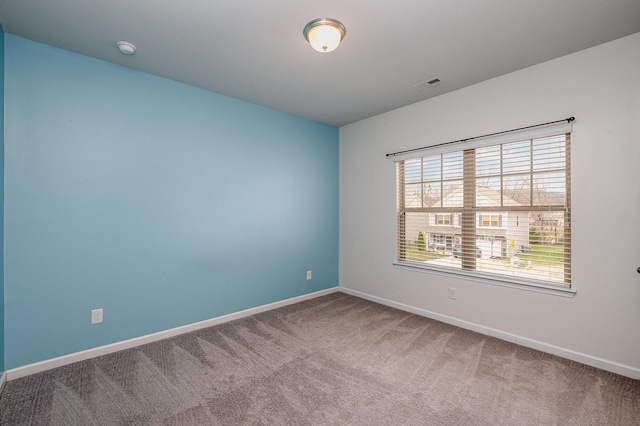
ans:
(324, 34)
(126, 48)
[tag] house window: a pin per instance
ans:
(443, 219)
(490, 220)
(510, 200)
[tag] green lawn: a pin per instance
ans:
(416, 255)
(544, 255)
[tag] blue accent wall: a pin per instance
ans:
(1, 200)
(161, 203)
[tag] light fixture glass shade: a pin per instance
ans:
(324, 34)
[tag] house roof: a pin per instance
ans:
(485, 197)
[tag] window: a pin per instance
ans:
(506, 202)
(490, 220)
(443, 219)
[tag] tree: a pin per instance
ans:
(534, 235)
(421, 244)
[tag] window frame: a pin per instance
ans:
(472, 215)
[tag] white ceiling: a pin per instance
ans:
(254, 49)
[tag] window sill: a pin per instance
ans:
(552, 289)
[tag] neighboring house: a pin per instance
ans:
(498, 233)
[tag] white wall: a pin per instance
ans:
(601, 88)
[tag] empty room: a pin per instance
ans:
(345, 213)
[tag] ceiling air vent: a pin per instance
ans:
(427, 83)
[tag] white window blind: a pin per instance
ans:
(496, 207)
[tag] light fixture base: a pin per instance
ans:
(126, 48)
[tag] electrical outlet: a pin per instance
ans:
(308, 275)
(453, 293)
(96, 316)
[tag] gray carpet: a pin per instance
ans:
(334, 360)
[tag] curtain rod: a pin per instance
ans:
(568, 120)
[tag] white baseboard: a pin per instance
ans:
(593, 361)
(3, 380)
(38, 367)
